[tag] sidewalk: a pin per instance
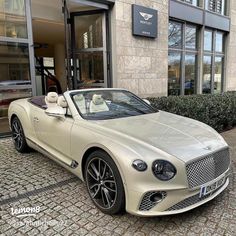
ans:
(32, 180)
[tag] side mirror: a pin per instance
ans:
(55, 111)
(147, 101)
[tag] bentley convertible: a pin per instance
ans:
(131, 156)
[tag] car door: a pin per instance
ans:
(53, 134)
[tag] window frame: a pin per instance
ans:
(213, 53)
(183, 50)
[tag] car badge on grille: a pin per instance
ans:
(207, 148)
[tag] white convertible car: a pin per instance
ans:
(131, 156)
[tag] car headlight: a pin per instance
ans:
(163, 170)
(139, 165)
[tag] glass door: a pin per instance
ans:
(89, 49)
(15, 56)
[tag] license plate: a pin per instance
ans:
(207, 189)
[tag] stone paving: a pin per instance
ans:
(62, 205)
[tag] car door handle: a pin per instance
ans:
(36, 119)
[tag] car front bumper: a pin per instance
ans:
(175, 200)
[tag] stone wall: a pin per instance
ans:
(140, 64)
(231, 50)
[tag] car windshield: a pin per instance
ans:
(109, 104)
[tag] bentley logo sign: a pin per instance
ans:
(145, 15)
(144, 21)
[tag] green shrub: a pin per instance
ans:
(218, 111)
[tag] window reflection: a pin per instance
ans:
(88, 30)
(190, 36)
(207, 74)
(218, 74)
(91, 68)
(175, 34)
(7, 95)
(12, 19)
(174, 73)
(219, 42)
(14, 62)
(182, 55)
(190, 74)
(207, 40)
(212, 83)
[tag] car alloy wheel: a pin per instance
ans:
(18, 135)
(104, 183)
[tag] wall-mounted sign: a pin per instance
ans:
(144, 21)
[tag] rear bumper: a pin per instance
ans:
(176, 201)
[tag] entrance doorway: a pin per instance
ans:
(89, 48)
(71, 50)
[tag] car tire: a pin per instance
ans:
(18, 136)
(104, 183)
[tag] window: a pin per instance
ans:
(14, 78)
(190, 36)
(190, 74)
(89, 33)
(14, 64)
(218, 74)
(207, 40)
(182, 58)
(13, 19)
(213, 61)
(219, 42)
(175, 35)
(192, 2)
(217, 6)
(174, 74)
(207, 74)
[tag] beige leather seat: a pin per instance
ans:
(80, 102)
(62, 103)
(51, 99)
(98, 104)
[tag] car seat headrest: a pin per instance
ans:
(51, 97)
(62, 102)
(79, 97)
(97, 99)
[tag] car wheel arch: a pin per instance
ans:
(12, 117)
(92, 149)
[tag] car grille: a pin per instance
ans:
(189, 201)
(207, 168)
(146, 204)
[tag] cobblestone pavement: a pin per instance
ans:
(32, 180)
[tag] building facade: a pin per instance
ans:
(60, 44)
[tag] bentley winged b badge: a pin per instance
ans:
(146, 16)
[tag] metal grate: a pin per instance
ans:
(207, 168)
(189, 201)
(146, 203)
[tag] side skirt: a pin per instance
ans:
(72, 164)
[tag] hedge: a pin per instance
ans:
(218, 111)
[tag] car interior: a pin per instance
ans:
(52, 99)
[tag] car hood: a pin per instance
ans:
(176, 135)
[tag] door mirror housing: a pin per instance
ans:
(55, 111)
(147, 101)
